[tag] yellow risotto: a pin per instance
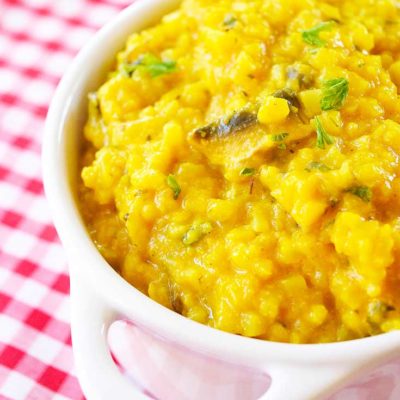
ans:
(242, 166)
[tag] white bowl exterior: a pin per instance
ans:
(170, 372)
(329, 364)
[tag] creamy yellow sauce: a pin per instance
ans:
(242, 166)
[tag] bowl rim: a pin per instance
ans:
(127, 300)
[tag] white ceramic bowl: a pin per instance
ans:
(100, 296)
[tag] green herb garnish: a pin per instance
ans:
(128, 68)
(334, 93)
(230, 21)
(174, 185)
(317, 165)
(323, 137)
(363, 192)
(196, 232)
(311, 36)
(280, 137)
(248, 171)
(150, 63)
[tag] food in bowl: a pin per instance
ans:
(242, 167)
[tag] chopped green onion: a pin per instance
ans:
(317, 165)
(311, 36)
(282, 146)
(280, 137)
(128, 68)
(248, 171)
(196, 232)
(230, 21)
(334, 93)
(150, 63)
(363, 192)
(174, 185)
(323, 138)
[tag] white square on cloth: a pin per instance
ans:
(9, 327)
(31, 292)
(17, 386)
(19, 244)
(45, 348)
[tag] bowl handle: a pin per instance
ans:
(301, 382)
(91, 318)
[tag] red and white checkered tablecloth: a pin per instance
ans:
(38, 39)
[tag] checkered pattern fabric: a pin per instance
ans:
(38, 39)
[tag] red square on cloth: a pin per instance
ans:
(34, 186)
(25, 268)
(62, 284)
(38, 319)
(11, 356)
(4, 300)
(52, 378)
(12, 219)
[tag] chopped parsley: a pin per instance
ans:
(150, 63)
(282, 146)
(334, 93)
(230, 21)
(174, 185)
(248, 171)
(196, 232)
(323, 137)
(363, 192)
(280, 137)
(311, 36)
